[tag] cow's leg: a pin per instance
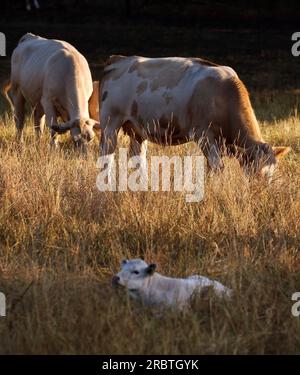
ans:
(51, 119)
(211, 150)
(138, 147)
(39, 120)
(108, 144)
(19, 113)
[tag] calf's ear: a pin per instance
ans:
(151, 269)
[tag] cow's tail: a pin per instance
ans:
(5, 92)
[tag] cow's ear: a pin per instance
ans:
(280, 152)
(151, 269)
(123, 262)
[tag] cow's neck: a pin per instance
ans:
(78, 111)
(247, 132)
(77, 103)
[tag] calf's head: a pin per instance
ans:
(133, 275)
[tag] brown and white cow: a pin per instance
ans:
(174, 100)
(56, 80)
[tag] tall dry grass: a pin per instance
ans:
(59, 232)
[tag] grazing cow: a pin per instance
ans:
(56, 80)
(174, 100)
(153, 289)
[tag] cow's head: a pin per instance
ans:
(133, 275)
(82, 130)
(261, 160)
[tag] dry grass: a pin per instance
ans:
(59, 231)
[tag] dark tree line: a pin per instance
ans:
(163, 10)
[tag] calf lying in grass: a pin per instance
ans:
(153, 289)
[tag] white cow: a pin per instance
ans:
(56, 80)
(153, 289)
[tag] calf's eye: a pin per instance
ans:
(135, 272)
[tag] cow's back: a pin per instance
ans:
(156, 87)
(36, 58)
(164, 90)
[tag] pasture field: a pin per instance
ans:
(61, 240)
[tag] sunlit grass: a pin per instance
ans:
(59, 231)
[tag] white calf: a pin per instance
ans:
(153, 289)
